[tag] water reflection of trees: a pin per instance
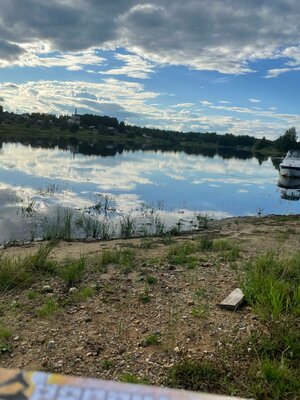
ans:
(110, 148)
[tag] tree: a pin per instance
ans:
(122, 127)
(287, 141)
(73, 128)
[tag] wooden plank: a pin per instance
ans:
(233, 300)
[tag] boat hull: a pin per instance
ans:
(289, 171)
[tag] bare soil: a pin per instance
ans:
(103, 336)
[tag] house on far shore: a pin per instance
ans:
(75, 118)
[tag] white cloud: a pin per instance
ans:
(135, 67)
(39, 55)
(254, 100)
(183, 105)
(130, 101)
(204, 35)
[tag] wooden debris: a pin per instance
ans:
(233, 300)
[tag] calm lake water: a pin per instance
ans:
(144, 190)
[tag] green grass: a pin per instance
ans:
(127, 226)
(144, 297)
(180, 254)
(131, 378)
(275, 380)
(32, 295)
(151, 280)
(205, 243)
(199, 311)
(48, 309)
(229, 249)
(20, 273)
(198, 376)
(151, 340)
(14, 274)
(60, 226)
(223, 244)
(107, 364)
(272, 285)
(84, 294)
(5, 339)
(200, 293)
(123, 258)
(147, 243)
(39, 262)
(72, 272)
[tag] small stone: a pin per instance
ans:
(41, 339)
(51, 344)
(177, 349)
(73, 290)
(47, 289)
(16, 338)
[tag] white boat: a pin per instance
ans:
(287, 182)
(290, 166)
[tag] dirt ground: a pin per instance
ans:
(132, 324)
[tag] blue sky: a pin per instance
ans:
(210, 65)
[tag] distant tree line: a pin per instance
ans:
(110, 126)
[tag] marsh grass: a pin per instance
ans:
(60, 226)
(93, 227)
(127, 226)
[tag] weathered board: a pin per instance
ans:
(233, 300)
(19, 385)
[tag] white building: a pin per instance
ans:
(75, 118)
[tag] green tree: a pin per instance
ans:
(288, 140)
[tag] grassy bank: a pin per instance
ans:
(146, 310)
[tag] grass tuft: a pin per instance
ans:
(48, 309)
(72, 273)
(151, 340)
(123, 258)
(198, 376)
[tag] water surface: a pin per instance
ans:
(36, 182)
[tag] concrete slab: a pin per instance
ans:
(233, 300)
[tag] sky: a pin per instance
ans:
(201, 65)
